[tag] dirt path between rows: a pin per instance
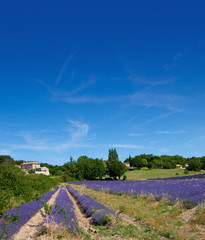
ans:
(83, 222)
(28, 230)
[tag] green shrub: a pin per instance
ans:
(188, 204)
(124, 177)
(199, 216)
(17, 188)
(47, 207)
(122, 208)
(31, 171)
(145, 168)
(186, 171)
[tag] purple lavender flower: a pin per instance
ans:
(190, 188)
(16, 217)
(100, 217)
(88, 205)
(63, 212)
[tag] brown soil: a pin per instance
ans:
(187, 215)
(83, 222)
(190, 230)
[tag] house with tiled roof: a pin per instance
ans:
(26, 166)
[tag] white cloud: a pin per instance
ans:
(134, 134)
(151, 83)
(172, 132)
(5, 152)
(68, 60)
(78, 130)
(30, 147)
(69, 145)
(129, 146)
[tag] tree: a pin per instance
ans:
(115, 167)
(137, 162)
(194, 164)
(71, 169)
(6, 159)
(86, 168)
(203, 162)
(100, 168)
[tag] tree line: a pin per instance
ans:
(166, 162)
(89, 168)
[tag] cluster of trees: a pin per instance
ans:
(196, 164)
(85, 168)
(89, 168)
(7, 159)
(166, 162)
(16, 187)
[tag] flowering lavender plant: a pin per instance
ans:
(13, 219)
(63, 212)
(100, 217)
(90, 207)
(181, 188)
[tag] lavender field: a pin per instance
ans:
(13, 219)
(99, 213)
(62, 213)
(91, 208)
(191, 188)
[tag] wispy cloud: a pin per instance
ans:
(129, 146)
(134, 134)
(32, 140)
(37, 147)
(69, 145)
(43, 83)
(146, 99)
(78, 129)
(5, 152)
(197, 139)
(172, 132)
(68, 60)
(150, 99)
(84, 84)
(151, 83)
(159, 117)
(177, 56)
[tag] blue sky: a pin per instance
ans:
(81, 77)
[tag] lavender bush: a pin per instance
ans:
(63, 212)
(190, 189)
(90, 207)
(100, 217)
(13, 219)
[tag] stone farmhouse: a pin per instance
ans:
(35, 166)
(127, 164)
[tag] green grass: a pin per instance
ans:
(155, 173)
(151, 219)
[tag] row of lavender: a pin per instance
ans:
(183, 189)
(186, 177)
(13, 219)
(98, 212)
(63, 212)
